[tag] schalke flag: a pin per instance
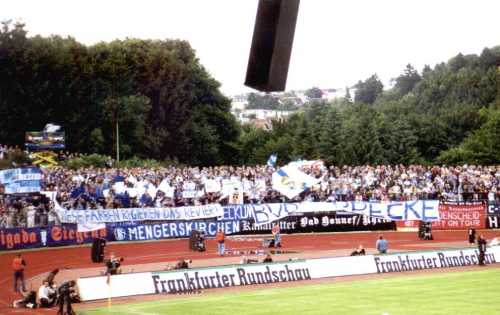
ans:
(271, 162)
(290, 181)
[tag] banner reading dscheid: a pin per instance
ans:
(461, 216)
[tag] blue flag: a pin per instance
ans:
(271, 161)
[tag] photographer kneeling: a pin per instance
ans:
(65, 291)
(113, 265)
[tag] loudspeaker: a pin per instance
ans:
(193, 239)
(197, 241)
(272, 45)
(97, 251)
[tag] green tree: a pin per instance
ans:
(348, 97)
(480, 147)
(407, 81)
(314, 93)
(368, 90)
(266, 101)
(125, 118)
(330, 142)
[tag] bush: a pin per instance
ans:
(137, 162)
(84, 161)
(15, 159)
(99, 161)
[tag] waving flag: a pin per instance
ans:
(271, 162)
(51, 128)
(290, 181)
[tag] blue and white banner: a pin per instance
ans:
(21, 180)
(424, 210)
(260, 213)
(145, 232)
(139, 214)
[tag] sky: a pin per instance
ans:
(337, 42)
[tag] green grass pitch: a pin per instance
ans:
(456, 293)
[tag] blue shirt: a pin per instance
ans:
(381, 245)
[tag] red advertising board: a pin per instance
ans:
(461, 216)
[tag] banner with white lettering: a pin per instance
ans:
(146, 232)
(493, 222)
(139, 214)
(494, 209)
(319, 222)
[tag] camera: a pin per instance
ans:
(113, 265)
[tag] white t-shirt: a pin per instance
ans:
(44, 292)
(30, 217)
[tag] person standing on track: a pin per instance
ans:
(277, 235)
(472, 236)
(481, 244)
(220, 238)
(18, 265)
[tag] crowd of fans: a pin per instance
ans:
(4, 150)
(104, 188)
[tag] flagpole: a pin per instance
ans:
(117, 142)
(108, 280)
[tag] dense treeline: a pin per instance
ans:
(165, 103)
(167, 106)
(449, 114)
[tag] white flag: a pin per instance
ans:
(290, 181)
